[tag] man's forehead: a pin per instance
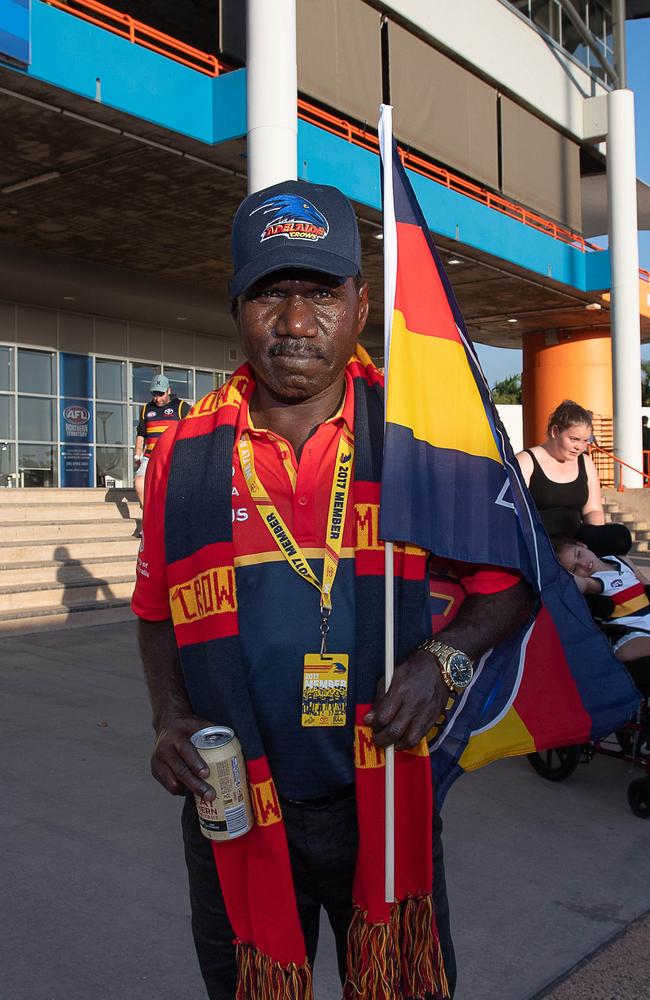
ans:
(296, 276)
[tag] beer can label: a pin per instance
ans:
(229, 815)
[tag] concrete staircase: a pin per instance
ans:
(67, 557)
(623, 508)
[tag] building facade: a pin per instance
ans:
(124, 157)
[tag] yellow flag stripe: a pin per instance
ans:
(432, 391)
(508, 738)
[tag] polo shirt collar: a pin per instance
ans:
(344, 416)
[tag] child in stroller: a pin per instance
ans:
(619, 600)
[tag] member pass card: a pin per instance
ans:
(325, 689)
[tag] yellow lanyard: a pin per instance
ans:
(282, 535)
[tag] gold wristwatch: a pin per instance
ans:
(455, 666)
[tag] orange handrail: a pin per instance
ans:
(142, 34)
(610, 454)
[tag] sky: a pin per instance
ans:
(497, 362)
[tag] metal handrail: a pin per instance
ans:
(610, 454)
(142, 34)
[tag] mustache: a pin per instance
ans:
(302, 347)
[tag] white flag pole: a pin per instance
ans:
(390, 275)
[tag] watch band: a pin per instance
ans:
(443, 654)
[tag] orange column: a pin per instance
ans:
(559, 365)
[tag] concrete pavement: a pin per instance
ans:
(94, 895)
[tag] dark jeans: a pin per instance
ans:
(322, 841)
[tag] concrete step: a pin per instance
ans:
(46, 619)
(622, 517)
(74, 511)
(66, 571)
(70, 595)
(63, 549)
(15, 497)
(640, 536)
(40, 530)
(640, 546)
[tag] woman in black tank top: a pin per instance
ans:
(564, 484)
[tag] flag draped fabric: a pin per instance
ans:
(452, 486)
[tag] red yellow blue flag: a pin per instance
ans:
(452, 486)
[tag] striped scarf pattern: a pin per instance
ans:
(393, 949)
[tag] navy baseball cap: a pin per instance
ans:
(294, 225)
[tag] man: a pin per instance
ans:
(155, 417)
(249, 563)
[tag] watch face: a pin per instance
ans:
(460, 670)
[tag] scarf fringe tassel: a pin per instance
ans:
(260, 978)
(398, 960)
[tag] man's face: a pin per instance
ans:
(298, 330)
(161, 398)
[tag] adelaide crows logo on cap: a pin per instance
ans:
(293, 217)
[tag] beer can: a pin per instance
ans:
(229, 815)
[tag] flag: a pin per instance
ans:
(452, 486)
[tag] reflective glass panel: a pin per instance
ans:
(6, 417)
(205, 382)
(141, 378)
(182, 382)
(6, 368)
(113, 462)
(110, 421)
(76, 376)
(7, 464)
(36, 465)
(110, 379)
(36, 371)
(35, 418)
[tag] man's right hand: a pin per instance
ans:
(175, 762)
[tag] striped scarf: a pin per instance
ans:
(393, 949)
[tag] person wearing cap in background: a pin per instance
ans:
(261, 571)
(155, 417)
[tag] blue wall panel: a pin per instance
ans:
(14, 29)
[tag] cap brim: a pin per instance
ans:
(288, 258)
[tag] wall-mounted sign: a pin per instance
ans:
(76, 428)
(15, 30)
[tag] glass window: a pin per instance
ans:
(6, 368)
(76, 376)
(111, 423)
(135, 419)
(36, 371)
(6, 417)
(182, 382)
(205, 382)
(7, 464)
(113, 462)
(110, 379)
(35, 418)
(141, 378)
(36, 465)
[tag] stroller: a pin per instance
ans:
(632, 742)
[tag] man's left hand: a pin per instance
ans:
(415, 700)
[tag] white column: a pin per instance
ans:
(624, 257)
(272, 92)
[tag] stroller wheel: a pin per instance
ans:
(638, 796)
(556, 764)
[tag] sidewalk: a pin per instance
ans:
(94, 891)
